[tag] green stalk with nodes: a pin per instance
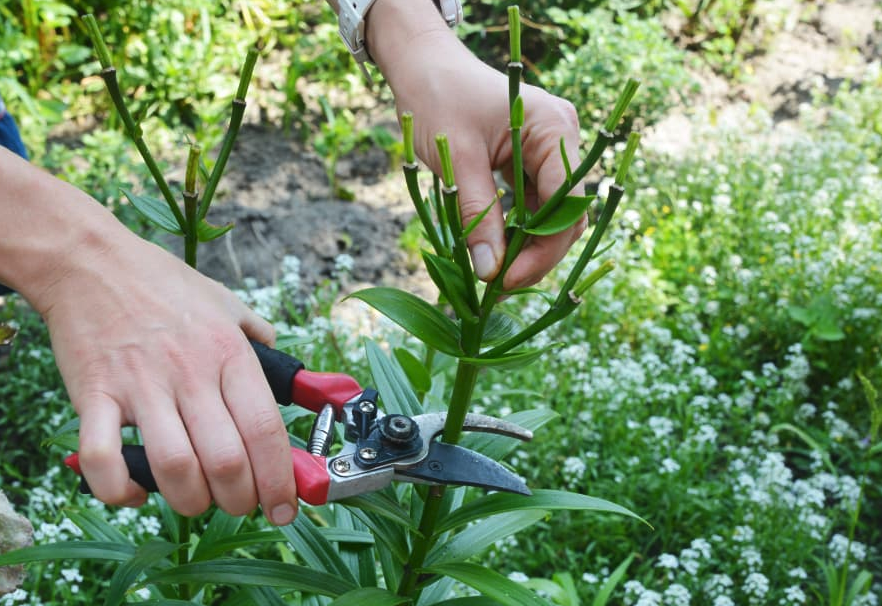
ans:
(166, 213)
(449, 266)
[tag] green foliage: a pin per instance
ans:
(600, 49)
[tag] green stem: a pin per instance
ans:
(230, 136)
(422, 209)
(108, 74)
(182, 555)
(191, 204)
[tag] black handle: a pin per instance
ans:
(139, 469)
(279, 369)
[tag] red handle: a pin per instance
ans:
(312, 390)
(310, 472)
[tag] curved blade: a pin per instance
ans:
(455, 465)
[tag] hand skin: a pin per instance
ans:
(142, 339)
(434, 76)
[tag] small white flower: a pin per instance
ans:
(669, 465)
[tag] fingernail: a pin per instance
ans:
(282, 515)
(484, 261)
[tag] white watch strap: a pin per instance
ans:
(352, 13)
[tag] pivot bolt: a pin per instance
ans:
(368, 454)
(398, 429)
(341, 466)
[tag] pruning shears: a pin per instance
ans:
(378, 448)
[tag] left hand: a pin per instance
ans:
(434, 76)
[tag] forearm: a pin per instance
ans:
(47, 228)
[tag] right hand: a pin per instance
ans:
(142, 339)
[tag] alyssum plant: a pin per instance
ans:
(404, 544)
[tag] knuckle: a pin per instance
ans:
(174, 464)
(226, 463)
(193, 505)
(266, 426)
(241, 507)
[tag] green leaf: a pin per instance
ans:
(512, 359)
(347, 536)
(477, 220)
(387, 533)
(382, 504)
(415, 316)
(564, 216)
(475, 600)
(147, 555)
(475, 539)
(7, 333)
(447, 276)
(370, 596)
(222, 545)
(257, 596)
(565, 159)
(287, 342)
(71, 550)
(490, 583)
(221, 526)
(206, 232)
(498, 447)
(500, 327)
(416, 372)
(827, 330)
(255, 572)
(395, 390)
(860, 585)
(552, 500)
(156, 211)
(314, 549)
(96, 527)
(605, 591)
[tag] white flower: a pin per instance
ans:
(756, 586)
(677, 595)
(667, 560)
(669, 465)
(794, 595)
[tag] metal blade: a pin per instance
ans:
(455, 465)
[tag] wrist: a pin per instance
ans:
(406, 37)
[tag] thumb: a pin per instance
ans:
(477, 191)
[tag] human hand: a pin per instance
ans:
(142, 339)
(449, 90)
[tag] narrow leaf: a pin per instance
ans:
(147, 555)
(255, 572)
(447, 276)
(552, 500)
(71, 550)
(475, 600)
(206, 232)
(395, 390)
(370, 596)
(387, 533)
(564, 216)
(610, 584)
(478, 537)
(380, 503)
(258, 596)
(477, 220)
(347, 536)
(415, 316)
(314, 549)
(221, 526)
(490, 583)
(565, 159)
(414, 369)
(500, 327)
(240, 540)
(512, 359)
(156, 211)
(96, 527)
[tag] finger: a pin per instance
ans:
(100, 452)
(250, 402)
(172, 459)
(257, 328)
(477, 190)
(220, 451)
